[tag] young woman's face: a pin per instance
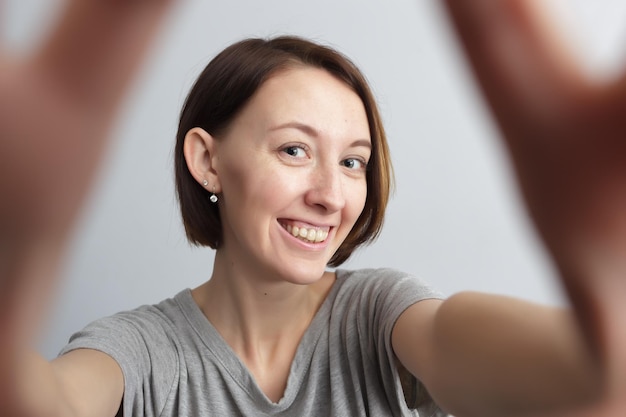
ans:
(292, 174)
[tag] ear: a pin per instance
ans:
(199, 150)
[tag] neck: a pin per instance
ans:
(256, 314)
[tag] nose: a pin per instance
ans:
(327, 189)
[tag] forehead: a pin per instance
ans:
(310, 96)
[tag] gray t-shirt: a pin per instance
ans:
(176, 364)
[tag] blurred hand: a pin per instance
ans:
(567, 140)
(55, 110)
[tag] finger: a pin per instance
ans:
(74, 84)
(613, 96)
(525, 69)
(96, 47)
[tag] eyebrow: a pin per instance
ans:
(311, 131)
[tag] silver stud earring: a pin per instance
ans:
(205, 183)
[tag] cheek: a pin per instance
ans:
(356, 199)
(257, 186)
(239, 177)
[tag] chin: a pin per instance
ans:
(305, 273)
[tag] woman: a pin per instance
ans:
(303, 149)
(282, 167)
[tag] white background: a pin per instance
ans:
(455, 220)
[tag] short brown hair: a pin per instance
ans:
(222, 90)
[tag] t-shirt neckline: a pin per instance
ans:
(234, 366)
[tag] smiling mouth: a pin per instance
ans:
(310, 234)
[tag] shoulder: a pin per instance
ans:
(146, 344)
(132, 332)
(371, 273)
(383, 281)
(370, 276)
(381, 293)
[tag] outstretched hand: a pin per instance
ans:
(55, 110)
(567, 140)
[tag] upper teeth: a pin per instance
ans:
(312, 235)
